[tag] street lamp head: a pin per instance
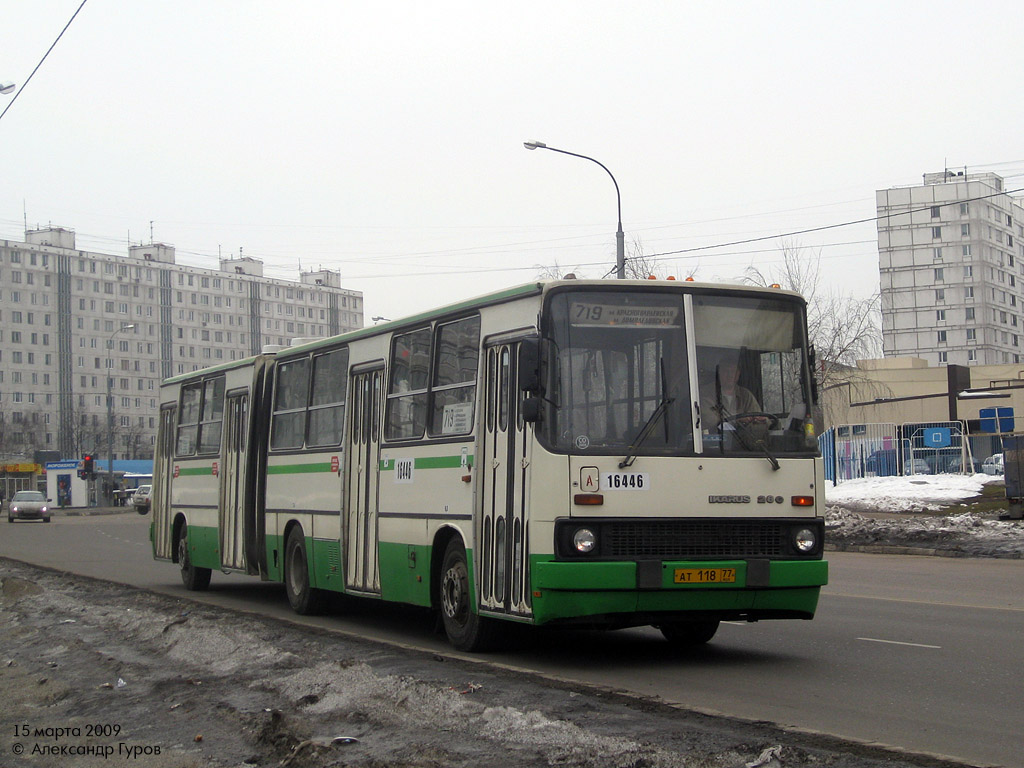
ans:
(620, 255)
(6, 87)
(127, 327)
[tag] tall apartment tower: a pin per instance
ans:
(76, 325)
(951, 262)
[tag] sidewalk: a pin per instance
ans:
(90, 511)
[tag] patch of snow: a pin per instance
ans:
(902, 494)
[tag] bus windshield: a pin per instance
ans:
(644, 373)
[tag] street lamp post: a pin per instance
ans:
(620, 238)
(110, 405)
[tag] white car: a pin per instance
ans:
(29, 505)
(140, 499)
(916, 467)
(993, 465)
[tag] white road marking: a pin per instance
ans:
(897, 642)
(123, 541)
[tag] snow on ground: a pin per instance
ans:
(905, 494)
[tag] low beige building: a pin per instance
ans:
(890, 402)
(908, 389)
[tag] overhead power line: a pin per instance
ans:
(829, 226)
(25, 84)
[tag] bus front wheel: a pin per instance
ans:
(303, 598)
(689, 633)
(466, 629)
(195, 579)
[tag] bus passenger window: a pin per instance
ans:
(188, 419)
(213, 416)
(453, 390)
(407, 394)
(288, 428)
(327, 407)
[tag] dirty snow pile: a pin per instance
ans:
(964, 533)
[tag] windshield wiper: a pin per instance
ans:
(648, 426)
(768, 455)
(747, 436)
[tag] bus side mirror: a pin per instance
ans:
(528, 365)
(531, 409)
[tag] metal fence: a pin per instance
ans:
(853, 451)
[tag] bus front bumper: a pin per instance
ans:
(632, 593)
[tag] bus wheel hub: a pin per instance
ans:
(452, 593)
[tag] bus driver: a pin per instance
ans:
(727, 399)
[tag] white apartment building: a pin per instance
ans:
(75, 325)
(951, 262)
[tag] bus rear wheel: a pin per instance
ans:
(195, 579)
(303, 598)
(466, 629)
(689, 633)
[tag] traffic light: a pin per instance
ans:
(87, 468)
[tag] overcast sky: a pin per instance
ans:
(385, 139)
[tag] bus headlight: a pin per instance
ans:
(584, 540)
(805, 540)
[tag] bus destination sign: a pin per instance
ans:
(588, 313)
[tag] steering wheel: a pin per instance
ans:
(773, 420)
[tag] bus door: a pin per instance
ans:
(163, 476)
(363, 471)
(503, 525)
(232, 481)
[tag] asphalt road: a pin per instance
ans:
(919, 653)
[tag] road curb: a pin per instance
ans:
(889, 549)
(90, 511)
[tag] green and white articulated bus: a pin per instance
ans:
(573, 452)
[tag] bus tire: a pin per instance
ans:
(466, 629)
(689, 633)
(195, 579)
(304, 599)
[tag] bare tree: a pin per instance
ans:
(642, 266)
(638, 266)
(130, 442)
(22, 431)
(88, 432)
(554, 271)
(843, 329)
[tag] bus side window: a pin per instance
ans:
(453, 389)
(289, 424)
(188, 419)
(407, 394)
(212, 416)
(327, 405)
